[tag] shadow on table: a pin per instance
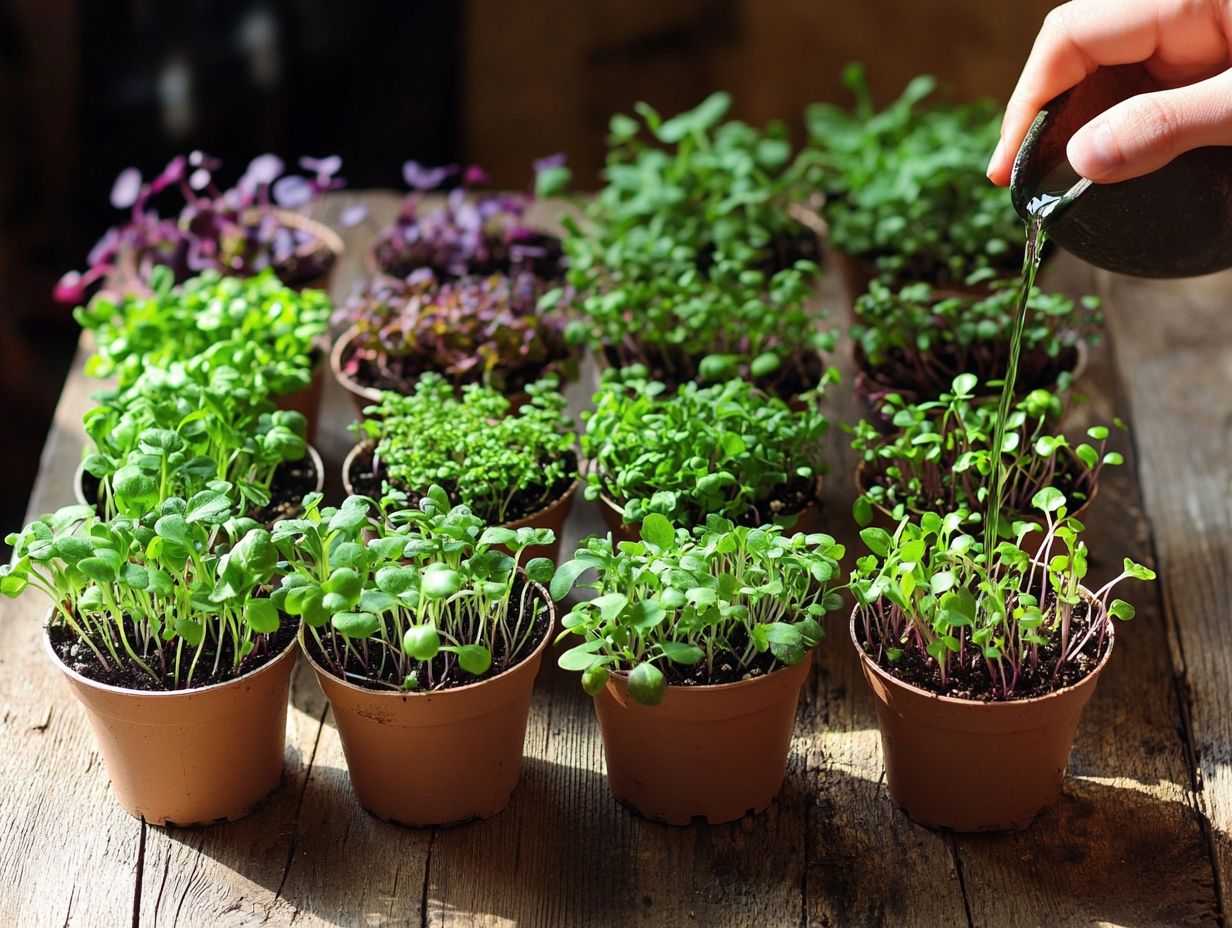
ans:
(832, 847)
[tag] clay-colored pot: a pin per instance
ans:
(307, 402)
(360, 395)
(808, 520)
(712, 752)
(974, 766)
(323, 238)
(883, 518)
(438, 758)
(191, 757)
(553, 515)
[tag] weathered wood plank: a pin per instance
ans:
(1172, 341)
(68, 852)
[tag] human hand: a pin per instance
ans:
(1183, 44)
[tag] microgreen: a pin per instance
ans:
(473, 330)
(270, 332)
(717, 605)
(933, 604)
(471, 233)
(168, 435)
(724, 449)
(940, 456)
(907, 338)
(411, 599)
(234, 231)
(177, 595)
(486, 455)
(905, 187)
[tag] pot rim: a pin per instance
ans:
(291, 647)
(860, 475)
(572, 489)
(994, 706)
(311, 453)
(437, 694)
(809, 655)
(349, 383)
(326, 238)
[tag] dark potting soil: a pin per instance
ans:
(446, 674)
(793, 498)
(800, 374)
(400, 375)
(928, 377)
(368, 478)
(293, 480)
(726, 667)
(78, 657)
(971, 681)
(303, 269)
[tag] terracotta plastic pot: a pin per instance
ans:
(191, 757)
(79, 477)
(808, 520)
(883, 518)
(436, 758)
(323, 238)
(973, 766)
(307, 401)
(553, 515)
(711, 752)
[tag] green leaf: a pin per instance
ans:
(422, 642)
(439, 581)
(765, 364)
(645, 615)
(658, 531)
(594, 679)
(583, 656)
(1119, 609)
(566, 576)
(540, 570)
(356, 624)
(610, 605)
(1049, 499)
(208, 506)
(877, 540)
(262, 616)
(647, 684)
(474, 658)
(679, 652)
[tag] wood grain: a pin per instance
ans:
(1131, 843)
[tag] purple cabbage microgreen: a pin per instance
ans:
(177, 596)
(488, 456)
(726, 449)
(235, 231)
(414, 599)
(472, 330)
(940, 457)
(471, 233)
(717, 605)
(933, 605)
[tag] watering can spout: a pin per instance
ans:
(1173, 222)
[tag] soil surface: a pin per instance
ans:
(727, 667)
(539, 254)
(293, 480)
(78, 657)
(368, 478)
(400, 375)
(971, 681)
(446, 674)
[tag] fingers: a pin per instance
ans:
(1075, 39)
(1147, 131)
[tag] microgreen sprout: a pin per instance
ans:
(716, 605)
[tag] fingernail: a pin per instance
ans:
(1101, 154)
(996, 156)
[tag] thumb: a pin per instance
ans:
(1145, 132)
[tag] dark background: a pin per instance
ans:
(88, 88)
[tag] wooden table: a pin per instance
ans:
(1140, 838)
